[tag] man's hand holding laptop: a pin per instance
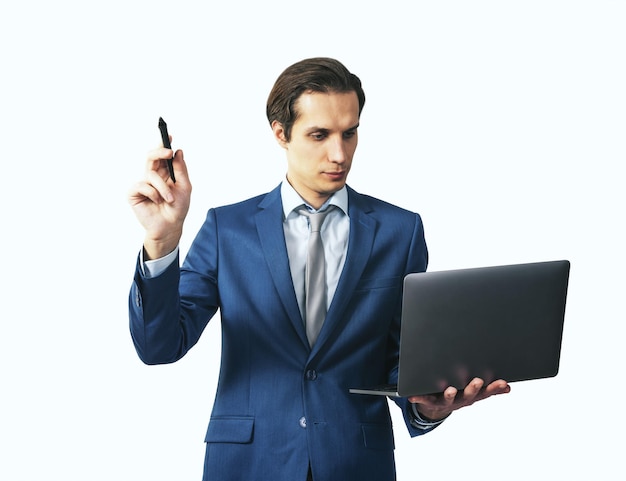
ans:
(438, 406)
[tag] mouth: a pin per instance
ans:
(336, 175)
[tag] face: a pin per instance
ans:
(323, 141)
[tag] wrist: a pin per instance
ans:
(157, 248)
(432, 418)
(420, 421)
(430, 415)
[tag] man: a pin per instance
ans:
(283, 410)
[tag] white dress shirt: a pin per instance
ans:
(335, 233)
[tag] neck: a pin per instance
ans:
(314, 199)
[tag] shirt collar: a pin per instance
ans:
(292, 200)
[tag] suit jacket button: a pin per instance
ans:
(311, 375)
(302, 422)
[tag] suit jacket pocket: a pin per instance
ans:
(378, 436)
(235, 429)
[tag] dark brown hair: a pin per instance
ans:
(320, 74)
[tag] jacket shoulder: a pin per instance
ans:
(252, 203)
(370, 204)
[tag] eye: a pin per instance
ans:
(349, 134)
(318, 135)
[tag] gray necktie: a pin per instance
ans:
(315, 276)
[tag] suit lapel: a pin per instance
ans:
(362, 229)
(269, 223)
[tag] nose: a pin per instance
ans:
(337, 151)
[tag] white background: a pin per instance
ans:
(501, 122)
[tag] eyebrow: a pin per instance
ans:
(325, 130)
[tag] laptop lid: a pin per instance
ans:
(499, 322)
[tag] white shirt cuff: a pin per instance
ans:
(156, 267)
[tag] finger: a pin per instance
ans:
(161, 186)
(160, 153)
(474, 386)
(474, 393)
(449, 396)
(498, 387)
(142, 191)
(156, 158)
(471, 393)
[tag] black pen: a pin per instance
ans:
(166, 143)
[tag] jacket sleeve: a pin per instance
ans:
(417, 261)
(166, 320)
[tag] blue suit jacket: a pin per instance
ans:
(281, 405)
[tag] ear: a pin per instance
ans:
(279, 134)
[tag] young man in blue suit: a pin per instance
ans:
(283, 410)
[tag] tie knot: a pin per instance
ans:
(316, 219)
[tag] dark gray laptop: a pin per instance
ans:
(500, 322)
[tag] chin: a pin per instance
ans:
(334, 187)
